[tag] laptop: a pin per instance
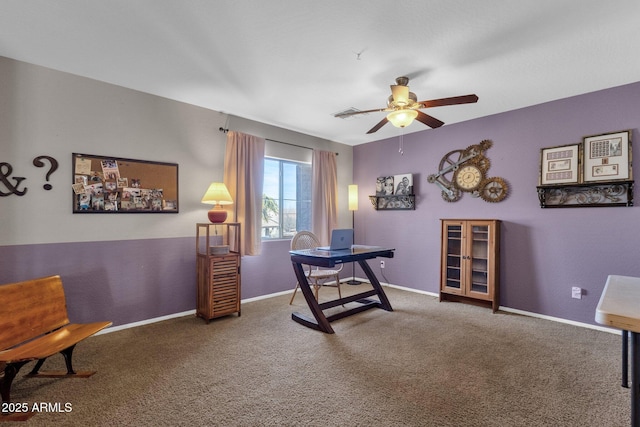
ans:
(341, 239)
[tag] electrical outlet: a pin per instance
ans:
(381, 264)
(576, 292)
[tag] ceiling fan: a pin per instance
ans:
(403, 107)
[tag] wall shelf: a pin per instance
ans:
(593, 194)
(394, 202)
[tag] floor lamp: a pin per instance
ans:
(353, 207)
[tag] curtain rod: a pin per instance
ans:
(223, 130)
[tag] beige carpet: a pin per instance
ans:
(424, 364)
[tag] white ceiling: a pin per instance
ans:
(294, 63)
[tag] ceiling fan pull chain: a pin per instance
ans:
(401, 148)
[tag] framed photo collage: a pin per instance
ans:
(116, 185)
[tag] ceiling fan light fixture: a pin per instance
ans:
(400, 95)
(403, 107)
(402, 118)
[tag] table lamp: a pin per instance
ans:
(217, 195)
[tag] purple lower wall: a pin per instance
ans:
(270, 272)
(123, 281)
(544, 251)
(128, 281)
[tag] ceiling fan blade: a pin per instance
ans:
(454, 100)
(378, 126)
(432, 122)
(353, 113)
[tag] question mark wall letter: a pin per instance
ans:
(54, 165)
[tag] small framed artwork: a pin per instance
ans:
(384, 186)
(560, 165)
(607, 157)
(403, 184)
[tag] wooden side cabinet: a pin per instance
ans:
(470, 261)
(218, 274)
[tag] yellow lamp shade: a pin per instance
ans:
(353, 197)
(400, 95)
(217, 195)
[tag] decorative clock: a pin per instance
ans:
(464, 171)
(468, 177)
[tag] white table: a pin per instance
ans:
(619, 307)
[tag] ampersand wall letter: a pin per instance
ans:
(5, 173)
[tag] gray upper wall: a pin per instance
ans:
(47, 112)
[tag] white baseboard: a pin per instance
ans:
(521, 312)
(524, 313)
(146, 322)
(507, 309)
(561, 320)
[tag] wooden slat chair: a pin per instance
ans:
(317, 276)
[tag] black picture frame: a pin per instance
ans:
(112, 185)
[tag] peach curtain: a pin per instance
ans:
(243, 176)
(324, 192)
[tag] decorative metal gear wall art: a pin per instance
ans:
(465, 171)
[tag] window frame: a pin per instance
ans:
(281, 196)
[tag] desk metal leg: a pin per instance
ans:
(635, 379)
(384, 301)
(625, 359)
(321, 323)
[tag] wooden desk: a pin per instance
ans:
(619, 307)
(329, 259)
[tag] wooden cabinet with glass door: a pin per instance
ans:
(470, 261)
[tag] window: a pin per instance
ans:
(286, 198)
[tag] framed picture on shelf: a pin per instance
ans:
(384, 186)
(607, 157)
(560, 165)
(403, 184)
